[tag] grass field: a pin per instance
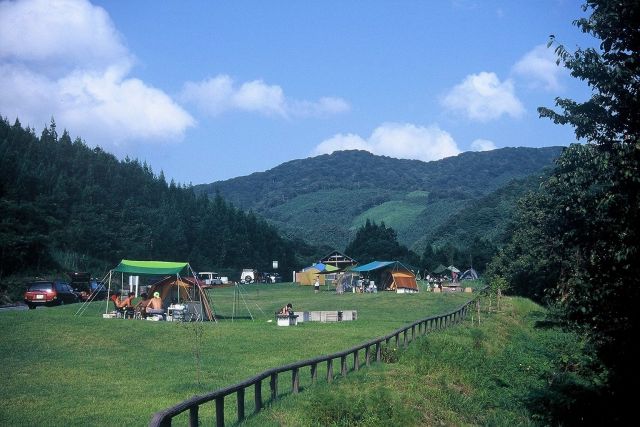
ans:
(506, 371)
(61, 369)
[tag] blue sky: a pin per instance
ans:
(210, 90)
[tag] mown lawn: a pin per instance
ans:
(506, 371)
(62, 369)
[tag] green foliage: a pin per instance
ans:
(60, 196)
(498, 285)
(379, 242)
(472, 236)
(389, 354)
(580, 239)
(336, 193)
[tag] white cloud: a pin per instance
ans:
(400, 140)
(483, 97)
(324, 106)
(220, 94)
(341, 142)
(59, 32)
(483, 145)
(539, 67)
(64, 58)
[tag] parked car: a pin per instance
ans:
(49, 293)
(273, 278)
(210, 278)
(248, 275)
(98, 289)
(86, 287)
(270, 278)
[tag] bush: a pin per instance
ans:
(389, 354)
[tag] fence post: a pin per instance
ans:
(424, 326)
(193, 416)
(343, 365)
(240, 398)
(274, 386)
(314, 373)
(220, 411)
(258, 396)
(295, 380)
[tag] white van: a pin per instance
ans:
(210, 278)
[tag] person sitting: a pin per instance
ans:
(287, 309)
(155, 305)
(126, 305)
(140, 309)
(128, 301)
(118, 303)
(115, 297)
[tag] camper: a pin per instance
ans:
(210, 278)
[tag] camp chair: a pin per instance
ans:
(140, 312)
(118, 310)
(124, 312)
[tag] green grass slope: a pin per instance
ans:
(63, 370)
(506, 371)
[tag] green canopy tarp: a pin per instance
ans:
(150, 267)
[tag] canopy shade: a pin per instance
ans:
(150, 267)
(373, 265)
(325, 268)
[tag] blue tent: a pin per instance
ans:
(375, 265)
(395, 276)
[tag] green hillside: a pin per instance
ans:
(67, 206)
(324, 199)
(486, 218)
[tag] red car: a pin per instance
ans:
(48, 293)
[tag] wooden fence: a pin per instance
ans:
(372, 350)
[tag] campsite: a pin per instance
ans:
(452, 189)
(122, 371)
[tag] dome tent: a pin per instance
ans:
(394, 276)
(171, 271)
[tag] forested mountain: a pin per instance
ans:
(65, 205)
(472, 236)
(325, 199)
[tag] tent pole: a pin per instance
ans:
(178, 285)
(106, 308)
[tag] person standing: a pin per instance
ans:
(316, 285)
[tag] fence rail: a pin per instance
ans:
(402, 336)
